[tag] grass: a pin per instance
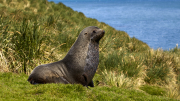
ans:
(153, 90)
(39, 32)
(15, 87)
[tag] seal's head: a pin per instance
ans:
(93, 33)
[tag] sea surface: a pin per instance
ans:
(155, 22)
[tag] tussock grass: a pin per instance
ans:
(34, 32)
(3, 63)
(160, 67)
(173, 91)
(120, 80)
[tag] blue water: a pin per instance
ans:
(155, 22)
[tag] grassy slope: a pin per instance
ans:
(15, 87)
(124, 62)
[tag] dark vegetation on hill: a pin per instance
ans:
(34, 32)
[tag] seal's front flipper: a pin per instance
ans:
(91, 84)
(33, 82)
(84, 81)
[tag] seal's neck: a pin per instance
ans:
(92, 60)
(76, 56)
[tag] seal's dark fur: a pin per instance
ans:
(78, 66)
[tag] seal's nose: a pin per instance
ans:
(103, 32)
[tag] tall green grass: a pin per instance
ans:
(21, 42)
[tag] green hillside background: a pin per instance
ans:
(35, 32)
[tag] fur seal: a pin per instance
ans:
(78, 66)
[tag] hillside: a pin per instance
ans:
(38, 32)
(13, 87)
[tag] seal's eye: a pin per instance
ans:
(85, 33)
(94, 31)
